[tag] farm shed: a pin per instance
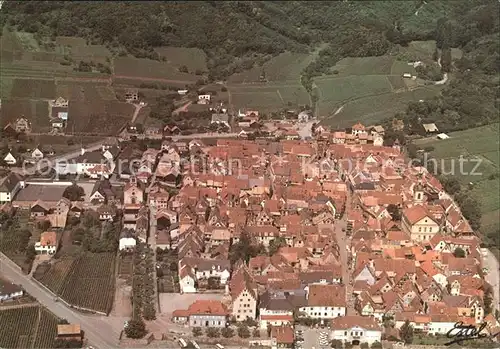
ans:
(443, 136)
(430, 128)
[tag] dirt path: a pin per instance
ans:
(138, 108)
(182, 108)
(152, 79)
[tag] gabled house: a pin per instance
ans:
(202, 313)
(325, 302)
(47, 243)
(355, 330)
(243, 294)
(37, 154)
(419, 223)
(10, 159)
(39, 209)
(9, 187)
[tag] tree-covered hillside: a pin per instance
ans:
(235, 34)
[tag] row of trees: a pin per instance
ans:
(337, 344)
(227, 332)
(143, 292)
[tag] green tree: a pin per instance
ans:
(336, 344)
(136, 328)
(197, 331)
(276, 244)
(435, 55)
(243, 332)
(74, 193)
(212, 332)
(227, 332)
(256, 333)
(394, 211)
(451, 185)
(376, 345)
(446, 60)
(244, 249)
(364, 346)
(459, 253)
(406, 332)
(488, 299)
(183, 69)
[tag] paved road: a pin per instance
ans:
(44, 163)
(95, 331)
(493, 277)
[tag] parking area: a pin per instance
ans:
(308, 338)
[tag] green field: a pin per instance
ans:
(267, 97)
(284, 67)
(336, 91)
(32, 327)
(150, 70)
(36, 111)
(193, 58)
(480, 144)
(373, 109)
(364, 66)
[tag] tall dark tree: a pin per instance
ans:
(459, 253)
(446, 60)
(394, 211)
(406, 332)
(136, 328)
(74, 193)
(275, 244)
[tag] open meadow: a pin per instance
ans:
(370, 89)
(193, 58)
(149, 70)
(284, 67)
(32, 327)
(86, 282)
(480, 146)
(268, 97)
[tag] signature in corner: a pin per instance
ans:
(461, 333)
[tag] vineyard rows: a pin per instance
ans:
(28, 327)
(87, 282)
(54, 278)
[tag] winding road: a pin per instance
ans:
(98, 333)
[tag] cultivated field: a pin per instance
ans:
(147, 69)
(371, 110)
(478, 144)
(95, 110)
(28, 327)
(86, 282)
(193, 58)
(285, 67)
(268, 97)
(37, 111)
(335, 91)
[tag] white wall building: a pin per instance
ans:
(356, 329)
